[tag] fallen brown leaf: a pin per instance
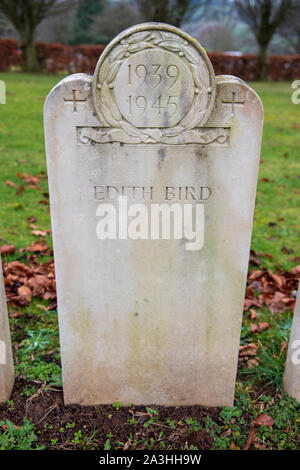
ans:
(25, 295)
(278, 279)
(251, 439)
(254, 327)
(30, 179)
(262, 326)
(283, 346)
(10, 183)
(253, 314)
(248, 350)
(263, 420)
(39, 233)
(252, 363)
(6, 427)
(251, 301)
(31, 219)
(15, 314)
(7, 249)
(20, 189)
(39, 284)
(39, 246)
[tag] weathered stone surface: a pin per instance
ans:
(6, 360)
(151, 320)
(292, 367)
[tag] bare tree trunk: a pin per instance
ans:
(179, 11)
(31, 62)
(161, 11)
(298, 43)
(263, 68)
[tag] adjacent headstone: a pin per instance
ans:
(6, 360)
(292, 367)
(150, 304)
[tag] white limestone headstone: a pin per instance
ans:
(6, 360)
(150, 308)
(292, 367)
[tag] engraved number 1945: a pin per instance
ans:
(142, 103)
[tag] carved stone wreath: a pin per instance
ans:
(156, 38)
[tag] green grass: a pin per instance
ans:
(18, 439)
(35, 332)
(279, 199)
(22, 138)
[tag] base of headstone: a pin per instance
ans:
(292, 367)
(6, 360)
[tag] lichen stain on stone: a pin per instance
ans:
(144, 336)
(161, 156)
(81, 329)
(201, 152)
(235, 127)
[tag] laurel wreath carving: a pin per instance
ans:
(109, 112)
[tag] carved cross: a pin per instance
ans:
(74, 100)
(233, 103)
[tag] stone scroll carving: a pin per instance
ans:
(154, 85)
(95, 135)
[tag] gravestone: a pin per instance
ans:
(152, 166)
(6, 360)
(292, 367)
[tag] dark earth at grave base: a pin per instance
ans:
(53, 421)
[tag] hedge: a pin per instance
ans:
(10, 54)
(54, 58)
(85, 58)
(246, 66)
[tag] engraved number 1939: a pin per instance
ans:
(154, 74)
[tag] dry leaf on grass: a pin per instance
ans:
(40, 246)
(10, 183)
(262, 326)
(30, 179)
(15, 314)
(24, 295)
(39, 284)
(31, 219)
(39, 233)
(252, 363)
(250, 349)
(23, 282)
(20, 190)
(283, 346)
(7, 249)
(251, 439)
(253, 314)
(254, 327)
(263, 420)
(6, 427)
(275, 290)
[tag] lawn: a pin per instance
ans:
(276, 236)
